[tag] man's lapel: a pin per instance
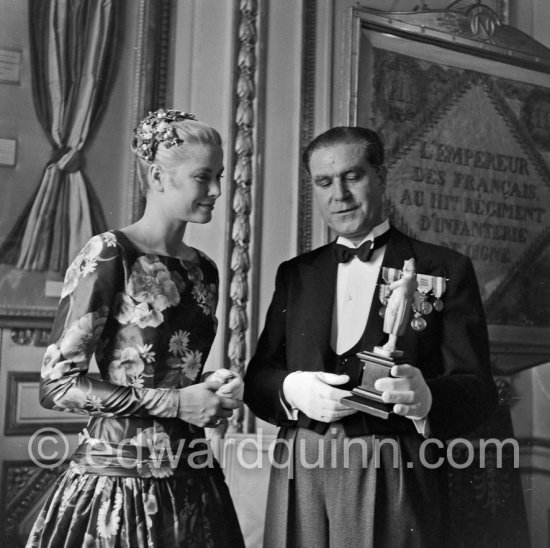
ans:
(400, 249)
(317, 302)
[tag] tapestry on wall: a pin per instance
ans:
(469, 168)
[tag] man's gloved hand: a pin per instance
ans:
(407, 389)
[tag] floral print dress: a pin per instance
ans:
(140, 476)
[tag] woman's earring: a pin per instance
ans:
(156, 177)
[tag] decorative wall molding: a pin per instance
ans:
(535, 443)
(24, 485)
(307, 122)
(534, 456)
(28, 336)
(245, 187)
(23, 413)
(516, 349)
(33, 317)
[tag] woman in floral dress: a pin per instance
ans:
(143, 303)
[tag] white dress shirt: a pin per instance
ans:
(355, 288)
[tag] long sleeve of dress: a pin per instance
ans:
(92, 302)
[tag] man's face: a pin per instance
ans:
(349, 190)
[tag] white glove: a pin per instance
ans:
(232, 384)
(316, 395)
(407, 389)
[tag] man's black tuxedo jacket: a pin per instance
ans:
(452, 352)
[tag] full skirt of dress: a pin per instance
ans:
(189, 509)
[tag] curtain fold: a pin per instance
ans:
(72, 57)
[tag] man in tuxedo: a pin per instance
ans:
(355, 479)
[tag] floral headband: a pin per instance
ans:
(154, 129)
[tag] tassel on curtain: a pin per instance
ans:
(72, 53)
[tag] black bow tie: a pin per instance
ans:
(364, 252)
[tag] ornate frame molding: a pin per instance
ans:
(243, 233)
(464, 27)
(307, 122)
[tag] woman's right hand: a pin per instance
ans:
(200, 405)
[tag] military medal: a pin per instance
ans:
(418, 323)
(424, 287)
(439, 287)
(426, 307)
(427, 297)
(390, 275)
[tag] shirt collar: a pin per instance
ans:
(378, 230)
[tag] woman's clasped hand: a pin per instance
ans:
(210, 402)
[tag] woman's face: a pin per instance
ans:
(191, 189)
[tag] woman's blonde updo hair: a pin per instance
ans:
(160, 138)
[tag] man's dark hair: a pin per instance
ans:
(374, 149)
